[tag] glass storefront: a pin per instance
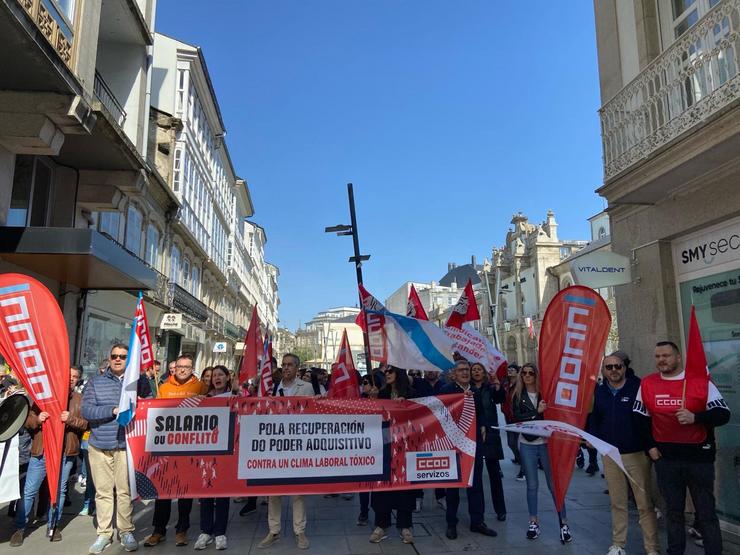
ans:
(102, 332)
(717, 301)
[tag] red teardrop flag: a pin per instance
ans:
(34, 341)
(572, 341)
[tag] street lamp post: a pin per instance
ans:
(358, 259)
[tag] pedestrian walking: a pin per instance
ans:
(397, 387)
(527, 406)
(214, 512)
(476, 506)
(676, 415)
(289, 386)
(107, 454)
(491, 394)
(611, 420)
(180, 385)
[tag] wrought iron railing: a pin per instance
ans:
(691, 80)
(109, 100)
(183, 301)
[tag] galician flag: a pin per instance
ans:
(416, 344)
(137, 343)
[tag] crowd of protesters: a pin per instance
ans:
(675, 446)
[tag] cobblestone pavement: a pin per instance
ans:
(332, 528)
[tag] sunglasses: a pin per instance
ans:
(122, 357)
(389, 371)
(527, 373)
(614, 366)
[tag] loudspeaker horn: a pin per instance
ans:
(13, 413)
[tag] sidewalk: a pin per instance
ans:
(332, 528)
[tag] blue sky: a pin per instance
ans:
(448, 117)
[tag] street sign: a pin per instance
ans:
(171, 321)
(219, 347)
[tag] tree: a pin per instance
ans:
(305, 353)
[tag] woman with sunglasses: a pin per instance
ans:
(214, 512)
(492, 394)
(397, 387)
(528, 405)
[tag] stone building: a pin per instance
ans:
(522, 283)
(670, 121)
(322, 337)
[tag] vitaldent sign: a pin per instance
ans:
(601, 269)
(718, 245)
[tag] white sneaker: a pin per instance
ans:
(203, 541)
(221, 543)
(616, 550)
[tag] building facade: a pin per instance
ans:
(521, 283)
(321, 337)
(670, 122)
(103, 195)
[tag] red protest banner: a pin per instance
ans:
(572, 341)
(34, 342)
(236, 446)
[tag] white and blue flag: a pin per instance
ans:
(127, 402)
(416, 344)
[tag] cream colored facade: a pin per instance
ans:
(670, 120)
(322, 336)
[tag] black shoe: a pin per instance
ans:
(591, 470)
(580, 460)
(249, 507)
(501, 517)
(451, 532)
(483, 529)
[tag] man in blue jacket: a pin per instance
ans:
(107, 453)
(612, 421)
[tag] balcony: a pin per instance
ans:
(53, 25)
(183, 301)
(215, 323)
(693, 80)
(108, 99)
(232, 332)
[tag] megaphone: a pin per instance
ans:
(13, 413)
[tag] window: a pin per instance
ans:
(152, 246)
(602, 232)
(32, 188)
(110, 223)
(186, 273)
(565, 252)
(195, 281)
(134, 221)
(175, 265)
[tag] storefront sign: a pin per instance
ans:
(219, 347)
(601, 269)
(718, 245)
(171, 321)
(240, 446)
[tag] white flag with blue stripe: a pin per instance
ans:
(416, 344)
(127, 402)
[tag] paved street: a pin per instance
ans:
(332, 529)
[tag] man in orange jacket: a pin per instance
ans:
(179, 385)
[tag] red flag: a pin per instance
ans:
(572, 340)
(368, 303)
(142, 330)
(34, 342)
(466, 309)
(375, 327)
(696, 360)
(265, 385)
(248, 368)
(530, 326)
(414, 308)
(344, 383)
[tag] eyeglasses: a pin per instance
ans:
(527, 373)
(614, 366)
(122, 357)
(365, 383)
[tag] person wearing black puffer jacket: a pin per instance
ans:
(612, 421)
(491, 394)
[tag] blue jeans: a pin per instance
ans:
(529, 456)
(34, 478)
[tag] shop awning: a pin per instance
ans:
(82, 257)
